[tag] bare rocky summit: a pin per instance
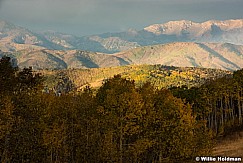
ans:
(230, 31)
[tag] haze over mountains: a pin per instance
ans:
(214, 47)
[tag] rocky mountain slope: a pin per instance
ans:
(230, 31)
(13, 38)
(62, 59)
(213, 31)
(183, 54)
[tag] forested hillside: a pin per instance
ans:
(219, 101)
(159, 75)
(120, 122)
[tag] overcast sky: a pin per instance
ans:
(85, 17)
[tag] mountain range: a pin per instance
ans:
(182, 54)
(211, 44)
(13, 37)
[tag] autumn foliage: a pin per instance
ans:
(118, 123)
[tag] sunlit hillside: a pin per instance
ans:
(159, 75)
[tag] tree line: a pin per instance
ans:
(119, 122)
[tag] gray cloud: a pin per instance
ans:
(84, 17)
(1, 3)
